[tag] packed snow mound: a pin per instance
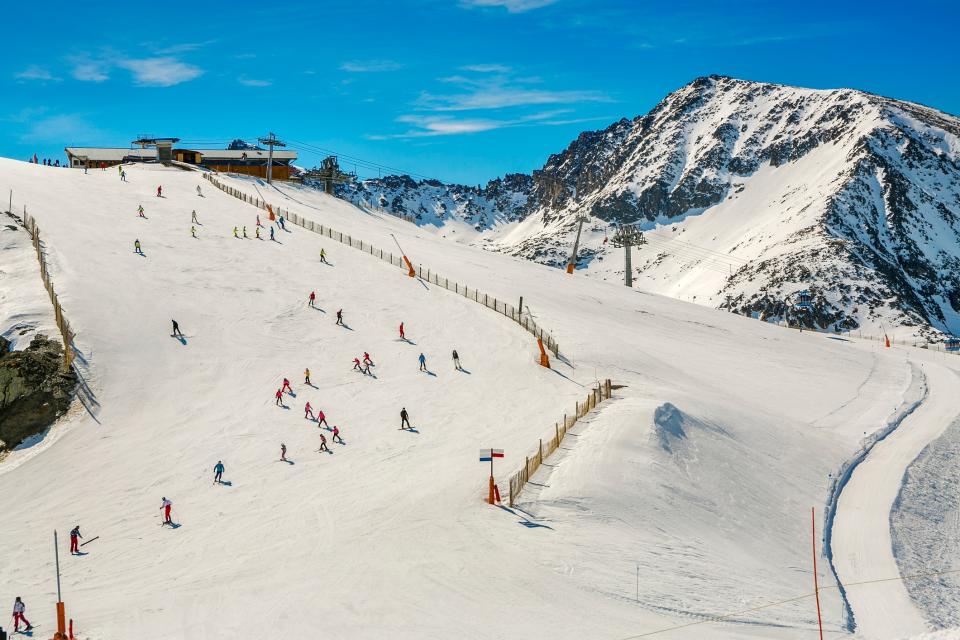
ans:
(749, 190)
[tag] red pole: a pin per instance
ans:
(816, 587)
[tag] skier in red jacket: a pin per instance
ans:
(286, 386)
(322, 419)
(356, 365)
(159, 191)
(336, 435)
(308, 411)
(279, 395)
(323, 443)
(402, 337)
(313, 296)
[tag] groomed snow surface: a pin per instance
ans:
(685, 497)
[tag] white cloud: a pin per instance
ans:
(370, 66)
(66, 129)
(512, 6)
(87, 70)
(501, 97)
(36, 73)
(486, 68)
(160, 72)
(253, 82)
(430, 126)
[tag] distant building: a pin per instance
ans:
(246, 161)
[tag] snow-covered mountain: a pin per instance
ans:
(748, 192)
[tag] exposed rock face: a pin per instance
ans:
(853, 196)
(34, 389)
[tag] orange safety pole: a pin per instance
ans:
(61, 618)
(412, 272)
(490, 493)
(816, 587)
(544, 358)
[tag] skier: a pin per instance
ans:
(271, 233)
(340, 317)
(74, 540)
(456, 360)
(322, 419)
(306, 376)
(235, 233)
(366, 359)
(140, 211)
(313, 296)
(283, 452)
(286, 386)
(402, 337)
(244, 231)
(165, 506)
(323, 444)
(119, 168)
(279, 396)
(323, 256)
(176, 329)
(193, 217)
(258, 220)
(258, 233)
(404, 419)
(18, 617)
(218, 472)
(160, 191)
(123, 176)
(423, 362)
(308, 411)
(366, 368)
(356, 365)
(193, 231)
(136, 247)
(280, 222)
(198, 191)
(336, 435)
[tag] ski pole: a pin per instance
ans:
(90, 540)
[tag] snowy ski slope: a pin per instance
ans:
(701, 471)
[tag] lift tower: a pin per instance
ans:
(576, 244)
(271, 141)
(627, 236)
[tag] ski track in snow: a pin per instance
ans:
(862, 545)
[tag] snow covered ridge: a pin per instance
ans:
(748, 190)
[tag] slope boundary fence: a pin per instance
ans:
(522, 318)
(603, 391)
(66, 333)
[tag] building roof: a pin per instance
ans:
(110, 155)
(237, 154)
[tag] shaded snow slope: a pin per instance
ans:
(25, 309)
(387, 537)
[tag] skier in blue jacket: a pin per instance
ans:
(218, 472)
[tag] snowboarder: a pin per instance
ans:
(18, 617)
(402, 337)
(283, 452)
(176, 329)
(323, 444)
(165, 506)
(313, 296)
(75, 540)
(279, 396)
(193, 217)
(160, 191)
(218, 472)
(308, 412)
(423, 362)
(286, 386)
(136, 247)
(306, 376)
(271, 233)
(140, 211)
(193, 231)
(322, 419)
(198, 191)
(340, 317)
(323, 255)
(404, 419)
(336, 435)
(356, 365)
(456, 360)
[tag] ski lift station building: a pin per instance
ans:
(246, 161)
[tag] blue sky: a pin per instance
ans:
(460, 90)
